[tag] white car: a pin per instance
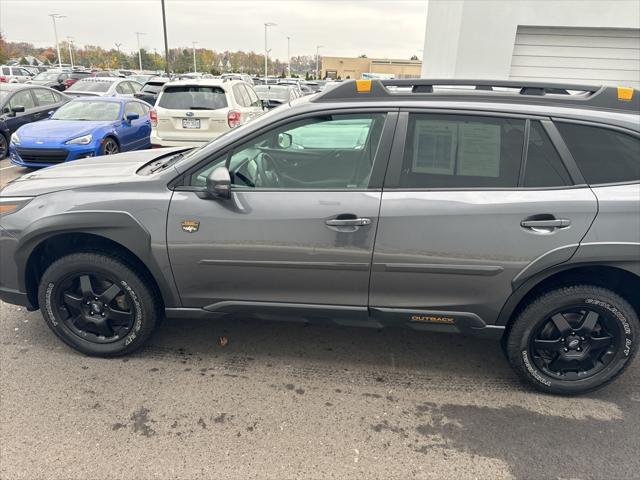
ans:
(103, 87)
(192, 112)
(14, 74)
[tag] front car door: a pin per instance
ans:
(467, 211)
(299, 229)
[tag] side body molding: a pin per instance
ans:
(118, 226)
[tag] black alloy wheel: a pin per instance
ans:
(3, 146)
(110, 147)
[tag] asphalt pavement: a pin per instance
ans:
(285, 400)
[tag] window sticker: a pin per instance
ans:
(434, 148)
(479, 150)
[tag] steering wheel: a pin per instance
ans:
(266, 170)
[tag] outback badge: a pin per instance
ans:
(190, 226)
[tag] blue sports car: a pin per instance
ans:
(84, 127)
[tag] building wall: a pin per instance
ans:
(475, 38)
(355, 67)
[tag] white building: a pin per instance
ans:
(592, 42)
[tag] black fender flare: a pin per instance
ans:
(118, 226)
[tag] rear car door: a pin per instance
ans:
(299, 228)
(45, 100)
(471, 204)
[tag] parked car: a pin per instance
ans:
(150, 90)
(275, 95)
(140, 78)
(83, 128)
(104, 87)
(505, 214)
(13, 74)
(192, 112)
(295, 83)
(52, 79)
(237, 76)
(75, 76)
(21, 104)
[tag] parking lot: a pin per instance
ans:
(287, 400)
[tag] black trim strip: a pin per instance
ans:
(288, 264)
(482, 270)
(562, 149)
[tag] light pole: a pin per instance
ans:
(69, 40)
(55, 33)
(318, 47)
(195, 69)
(166, 43)
(139, 51)
(266, 49)
(289, 57)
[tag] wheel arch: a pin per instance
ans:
(622, 277)
(52, 237)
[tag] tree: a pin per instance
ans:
(4, 55)
(23, 61)
(414, 57)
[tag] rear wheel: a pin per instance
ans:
(110, 147)
(97, 304)
(3, 146)
(573, 340)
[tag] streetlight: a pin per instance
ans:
(69, 41)
(289, 57)
(195, 70)
(318, 47)
(266, 50)
(139, 54)
(55, 33)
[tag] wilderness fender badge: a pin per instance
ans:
(190, 226)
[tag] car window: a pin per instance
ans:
(602, 155)
(22, 71)
(543, 167)
(459, 151)
(57, 96)
(123, 88)
(241, 95)
(186, 97)
(143, 108)
(152, 87)
(6, 71)
(253, 97)
(323, 153)
(134, 86)
(22, 98)
(44, 97)
(88, 85)
(131, 107)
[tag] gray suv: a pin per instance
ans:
(497, 209)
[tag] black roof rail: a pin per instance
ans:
(542, 93)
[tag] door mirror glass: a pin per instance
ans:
(219, 183)
(284, 140)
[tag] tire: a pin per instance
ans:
(109, 147)
(4, 146)
(113, 314)
(573, 340)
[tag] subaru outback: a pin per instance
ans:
(490, 208)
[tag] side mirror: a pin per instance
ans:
(60, 80)
(132, 116)
(50, 113)
(219, 183)
(266, 104)
(17, 109)
(284, 140)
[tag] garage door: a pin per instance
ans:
(577, 55)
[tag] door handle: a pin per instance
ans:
(348, 222)
(544, 225)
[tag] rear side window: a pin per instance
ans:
(193, 98)
(44, 97)
(544, 167)
(602, 155)
(456, 151)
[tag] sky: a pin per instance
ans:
(376, 28)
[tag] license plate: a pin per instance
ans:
(190, 123)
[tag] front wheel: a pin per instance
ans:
(97, 304)
(110, 147)
(573, 340)
(3, 146)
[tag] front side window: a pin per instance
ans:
(459, 151)
(332, 152)
(602, 155)
(23, 99)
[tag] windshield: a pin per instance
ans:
(90, 111)
(46, 76)
(267, 92)
(89, 86)
(190, 97)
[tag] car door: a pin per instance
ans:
(466, 214)
(128, 132)
(141, 126)
(45, 101)
(24, 99)
(299, 227)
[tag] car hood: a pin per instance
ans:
(58, 129)
(104, 170)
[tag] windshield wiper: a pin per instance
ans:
(164, 163)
